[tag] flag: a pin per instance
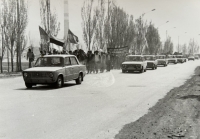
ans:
(56, 41)
(43, 36)
(72, 38)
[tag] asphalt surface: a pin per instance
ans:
(96, 109)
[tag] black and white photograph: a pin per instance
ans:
(99, 69)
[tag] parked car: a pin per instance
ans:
(134, 63)
(172, 59)
(54, 70)
(196, 57)
(151, 61)
(191, 58)
(180, 58)
(162, 60)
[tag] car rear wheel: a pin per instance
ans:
(28, 85)
(79, 79)
(59, 82)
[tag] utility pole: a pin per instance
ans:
(1, 57)
(178, 43)
(18, 65)
(108, 23)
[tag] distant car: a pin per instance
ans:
(54, 70)
(162, 60)
(172, 59)
(151, 61)
(196, 57)
(180, 58)
(134, 63)
(191, 58)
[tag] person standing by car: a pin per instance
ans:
(108, 62)
(30, 57)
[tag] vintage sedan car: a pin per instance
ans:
(196, 57)
(172, 59)
(54, 70)
(134, 63)
(180, 58)
(162, 60)
(151, 61)
(191, 58)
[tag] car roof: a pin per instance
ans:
(160, 55)
(62, 55)
(148, 55)
(136, 55)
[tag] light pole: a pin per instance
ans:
(163, 24)
(148, 12)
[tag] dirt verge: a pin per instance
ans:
(176, 116)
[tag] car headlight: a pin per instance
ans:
(25, 74)
(51, 74)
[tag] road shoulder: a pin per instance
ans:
(176, 115)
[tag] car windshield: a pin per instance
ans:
(133, 58)
(171, 56)
(49, 62)
(149, 58)
(179, 56)
(160, 57)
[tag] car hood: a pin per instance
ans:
(43, 69)
(151, 61)
(161, 59)
(132, 62)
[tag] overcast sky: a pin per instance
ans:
(182, 14)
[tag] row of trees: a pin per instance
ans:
(106, 25)
(112, 27)
(14, 20)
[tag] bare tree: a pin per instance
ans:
(141, 32)
(10, 28)
(49, 19)
(22, 21)
(168, 46)
(153, 39)
(89, 22)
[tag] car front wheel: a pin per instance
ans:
(79, 79)
(59, 82)
(28, 85)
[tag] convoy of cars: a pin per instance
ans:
(57, 69)
(143, 62)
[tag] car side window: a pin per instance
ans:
(67, 61)
(73, 61)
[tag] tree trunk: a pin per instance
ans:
(1, 59)
(8, 60)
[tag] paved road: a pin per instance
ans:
(96, 109)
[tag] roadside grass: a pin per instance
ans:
(177, 115)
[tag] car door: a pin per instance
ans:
(68, 69)
(75, 66)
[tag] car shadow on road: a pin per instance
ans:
(46, 87)
(131, 73)
(191, 97)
